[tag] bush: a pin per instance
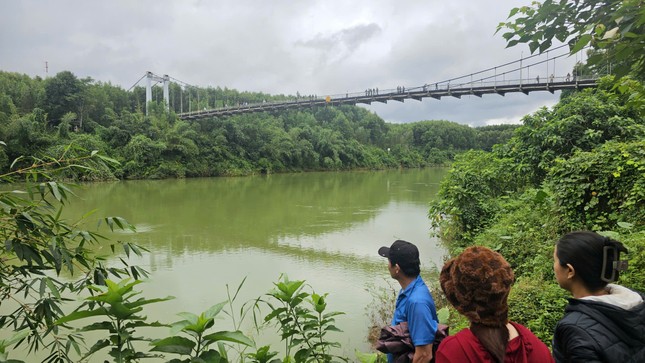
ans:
(469, 193)
(538, 305)
(596, 189)
(525, 233)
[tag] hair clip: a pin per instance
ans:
(620, 265)
(611, 254)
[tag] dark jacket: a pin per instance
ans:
(396, 340)
(592, 331)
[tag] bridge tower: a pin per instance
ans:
(166, 94)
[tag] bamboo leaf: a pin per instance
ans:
(81, 315)
(52, 288)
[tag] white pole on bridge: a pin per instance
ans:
(166, 92)
(148, 89)
(521, 56)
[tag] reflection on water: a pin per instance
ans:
(205, 234)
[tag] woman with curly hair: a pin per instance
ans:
(477, 284)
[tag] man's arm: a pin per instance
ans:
(422, 353)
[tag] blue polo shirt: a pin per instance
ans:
(416, 306)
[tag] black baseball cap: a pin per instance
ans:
(401, 253)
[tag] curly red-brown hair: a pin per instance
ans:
(477, 284)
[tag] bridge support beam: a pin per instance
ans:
(166, 92)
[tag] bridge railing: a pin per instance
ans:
(402, 92)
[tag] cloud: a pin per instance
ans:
(341, 44)
(313, 47)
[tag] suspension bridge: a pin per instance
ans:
(530, 74)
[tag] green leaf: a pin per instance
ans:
(513, 12)
(540, 196)
(443, 314)
(301, 355)
(533, 46)
(108, 159)
(53, 187)
(141, 302)
(103, 325)
(366, 357)
(211, 356)
(214, 310)
(581, 43)
(82, 315)
(230, 336)
(625, 225)
(178, 345)
(4, 343)
(52, 288)
(545, 45)
(100, 344)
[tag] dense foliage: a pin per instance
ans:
(41, 117)
(613, 27)
(577, 166)
(40, 246)
(47, 263)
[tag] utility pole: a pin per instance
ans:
(46, 69)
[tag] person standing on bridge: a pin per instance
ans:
(414, 304)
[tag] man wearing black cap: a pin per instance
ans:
(414, 304)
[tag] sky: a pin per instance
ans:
(279, 47)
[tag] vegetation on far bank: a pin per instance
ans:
(42, 116)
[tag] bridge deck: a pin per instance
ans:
(473, 89)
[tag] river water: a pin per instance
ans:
(325, 228)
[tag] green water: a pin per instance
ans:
(324, 228)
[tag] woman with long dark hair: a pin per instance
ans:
(603, 322)
(477, 284)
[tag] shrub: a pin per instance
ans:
(596, 189)
(470, 190)
(524, 233)
(538, 305)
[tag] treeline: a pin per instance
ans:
(578, 166)
(43, 117)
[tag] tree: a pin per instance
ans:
(63, 94)
(40, 246)
(614, 26)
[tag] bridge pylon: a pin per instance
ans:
(166, 93)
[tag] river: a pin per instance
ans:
(325, 228)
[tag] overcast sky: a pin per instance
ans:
(278, 47)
